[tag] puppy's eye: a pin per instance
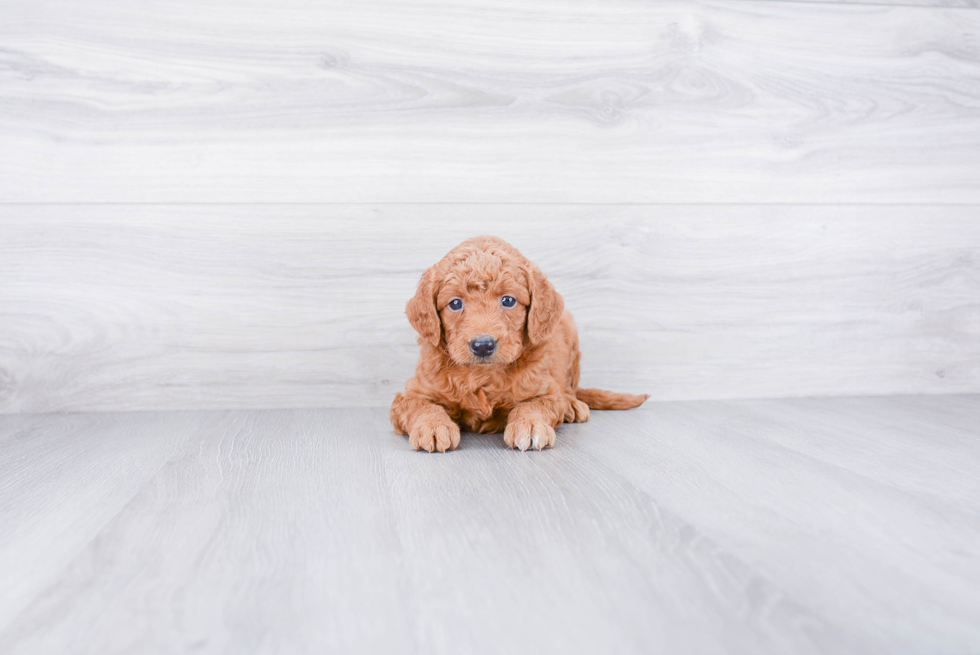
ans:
(508, 301)
(455, 304)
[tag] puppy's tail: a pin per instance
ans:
(599, 399)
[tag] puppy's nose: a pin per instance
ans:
(483, 345)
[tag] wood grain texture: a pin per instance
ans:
(975, 4)
(793, 526)
(459, 101)
(159, 307)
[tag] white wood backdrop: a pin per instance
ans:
(142, 306)
(476, 101)
(826, 157)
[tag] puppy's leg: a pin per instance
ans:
(532, 423)
(427, 425)
(576, 411)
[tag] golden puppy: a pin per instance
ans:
(499, 354)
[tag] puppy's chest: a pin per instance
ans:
(480, 396)
(481, 401)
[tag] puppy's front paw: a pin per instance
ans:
(529, 433)
(434, 434)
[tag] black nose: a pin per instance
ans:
(483, 345)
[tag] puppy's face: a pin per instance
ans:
(483, 319)
(484, 303)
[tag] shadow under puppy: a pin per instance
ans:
(499, 354)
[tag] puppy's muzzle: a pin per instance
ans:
(483, 346)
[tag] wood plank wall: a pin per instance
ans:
(228, 204)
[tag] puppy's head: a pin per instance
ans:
(484, 303)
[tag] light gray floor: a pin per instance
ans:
(784, 526)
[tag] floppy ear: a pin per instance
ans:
(546, 307)
(422, 313)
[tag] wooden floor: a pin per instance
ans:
(782, 526)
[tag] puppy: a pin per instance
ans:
(499, 354)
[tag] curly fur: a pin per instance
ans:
(527, 388)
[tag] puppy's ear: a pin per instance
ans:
(422, 313)
(546, 307)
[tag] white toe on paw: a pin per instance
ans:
(543, 436)
(523, 441)
(525, 434)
